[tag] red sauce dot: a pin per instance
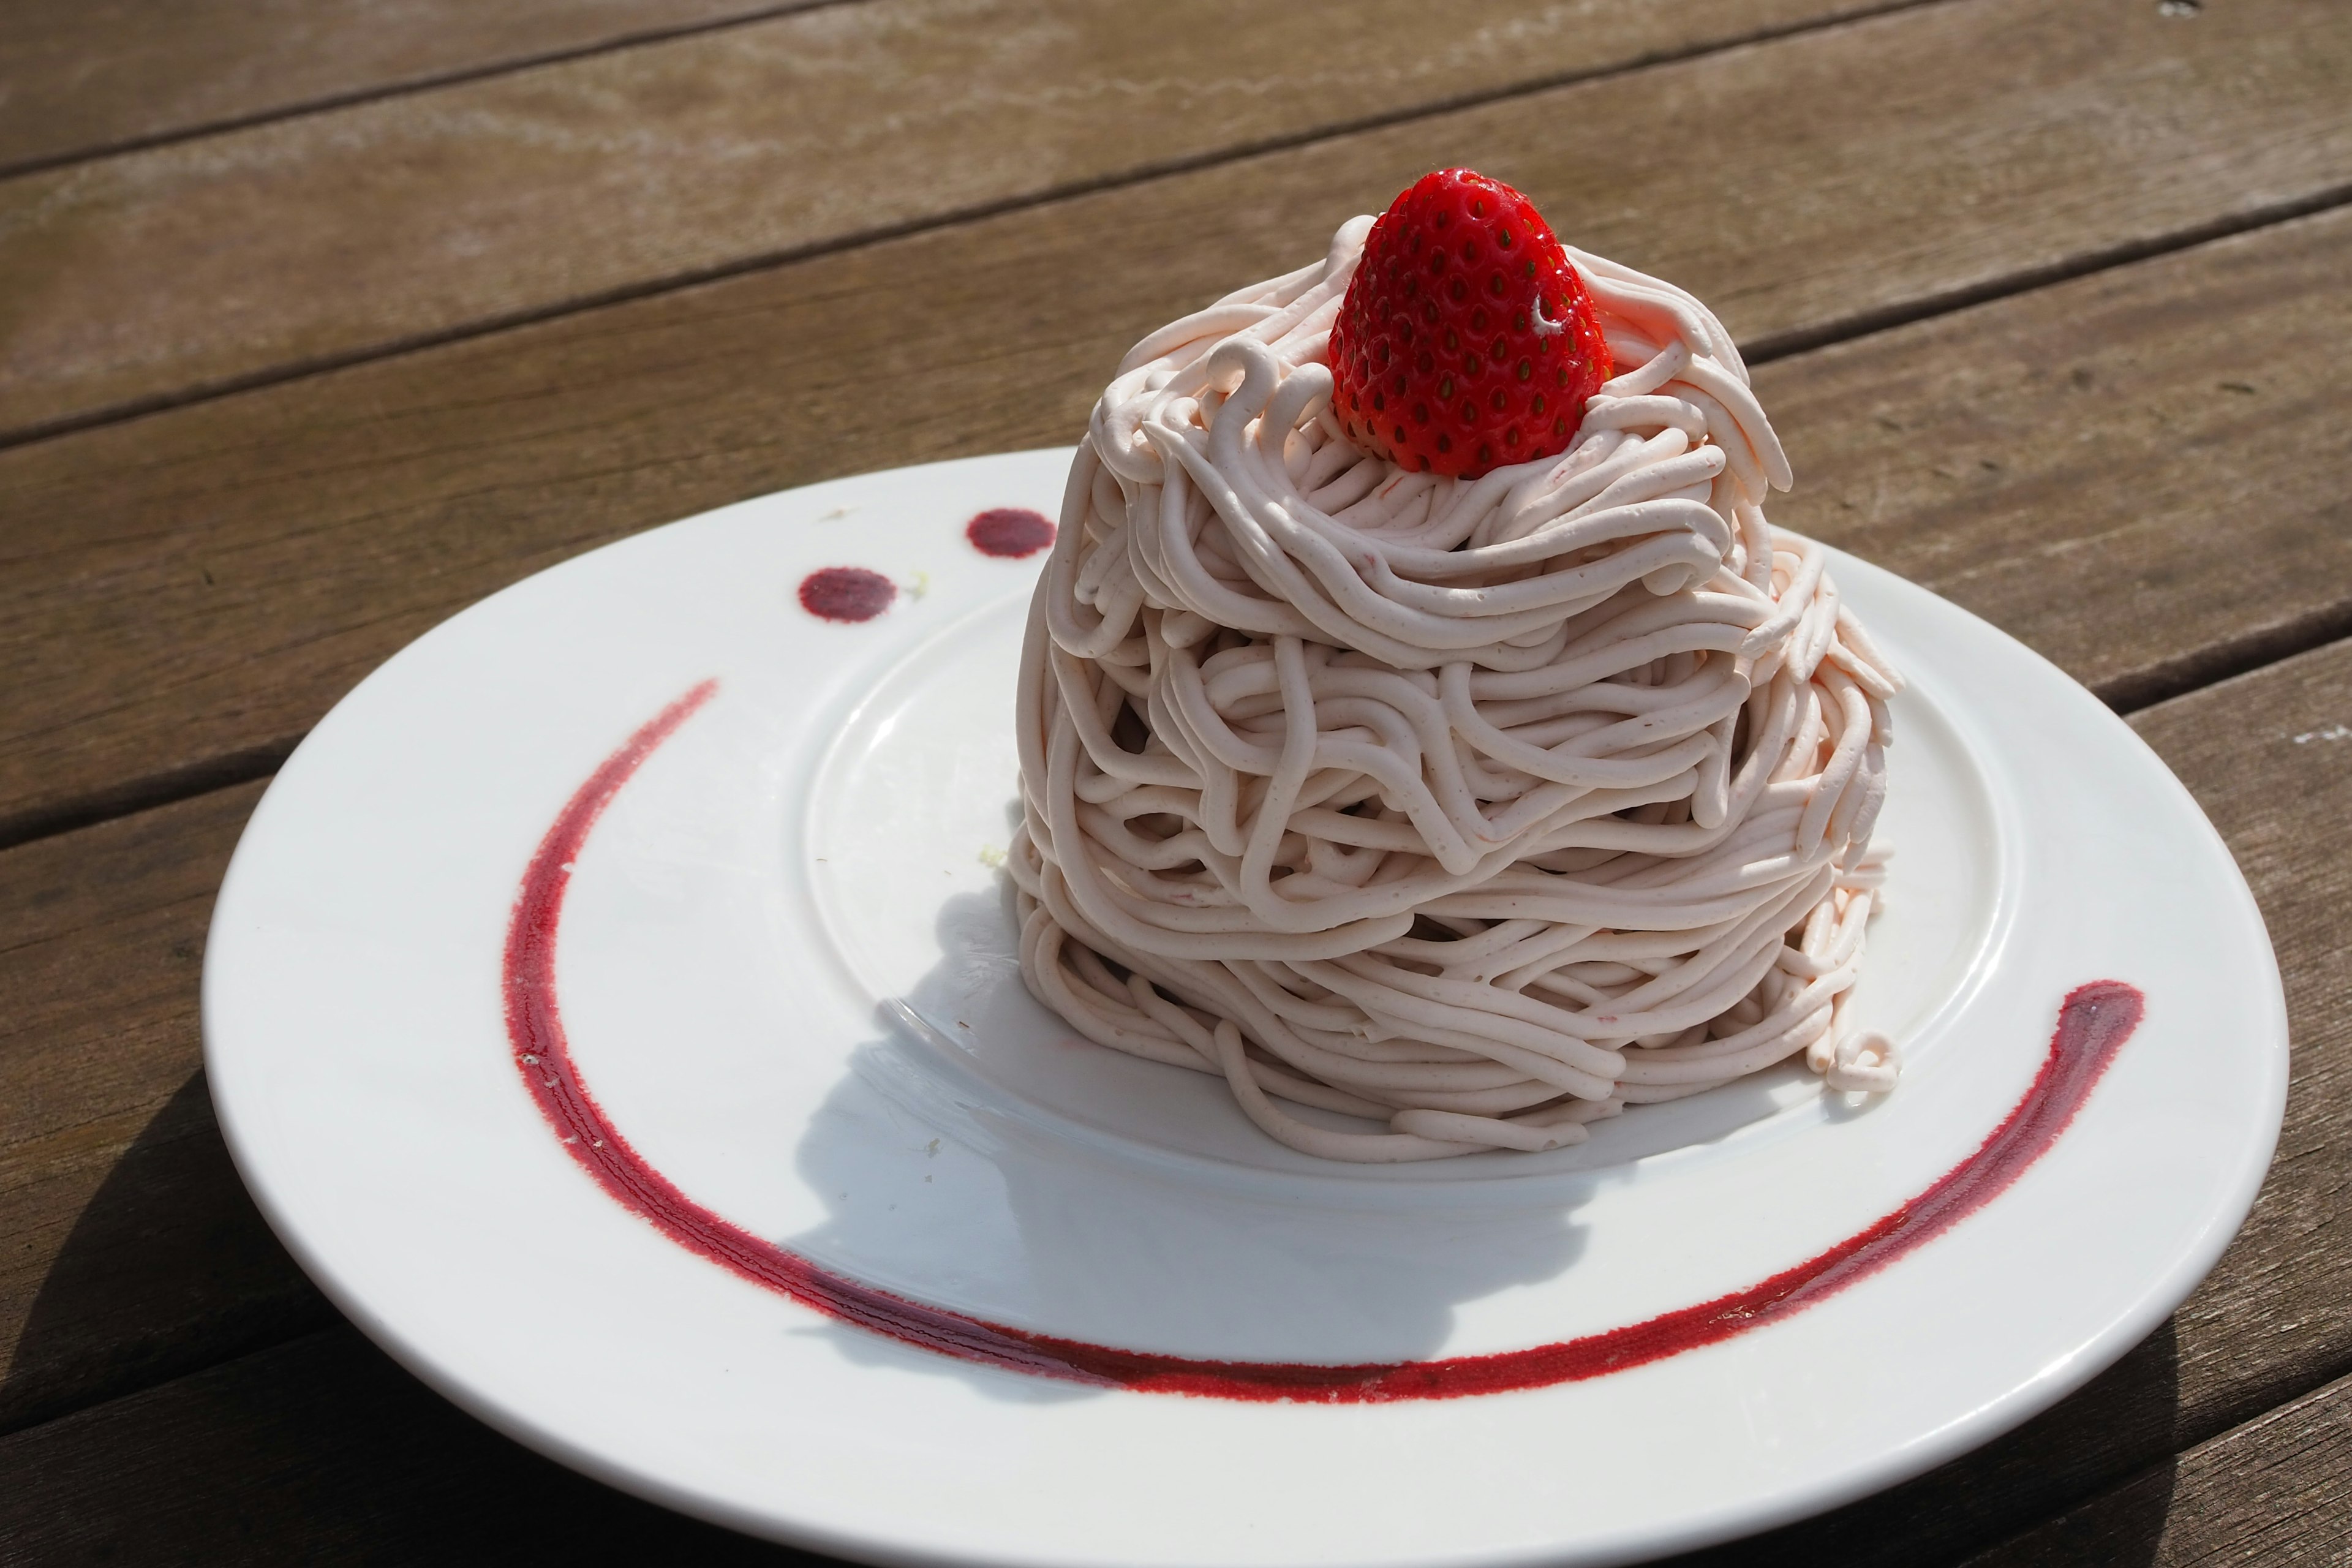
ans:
(1009, 532)
(847, 593)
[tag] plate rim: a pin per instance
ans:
(1999, 1413)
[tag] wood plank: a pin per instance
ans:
(312, 240)
(318, 1454)
(2136, 472)
(2270, 756)
(2277, 1492)
(156, 276)
(183, 596)
(141, 1260)
(79, 76)
(129, 1250)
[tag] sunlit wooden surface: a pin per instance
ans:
(320, 321)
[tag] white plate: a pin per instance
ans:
(787, 981)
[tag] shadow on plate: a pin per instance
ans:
(167, 1268)
(945, 1188)
(2060, 1477)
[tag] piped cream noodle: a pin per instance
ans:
(1474, 809)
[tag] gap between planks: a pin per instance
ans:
(576, 203)
(2257, 651)
(2260, 1332)
(328, 103)
(1846, 329)
(398, 86)
(1954, 449)
(2276, 1490)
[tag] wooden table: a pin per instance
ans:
(322, 320)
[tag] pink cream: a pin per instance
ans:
(2093, 1023)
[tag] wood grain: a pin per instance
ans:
(2276, 1491)
(335, 234)
(2140, 470)
(2267, 1324)
(129, 1251)
(2269, 755)
(1998, 135)
(320, 1454)
(182, 598)
(77, 76)
(2137, 472)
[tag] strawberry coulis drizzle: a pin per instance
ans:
(1009, 532)
(2093, 1023)
(852, 594)
(849, 594)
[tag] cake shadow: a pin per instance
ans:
(947, 1186)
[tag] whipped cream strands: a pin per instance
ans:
(1475, 810)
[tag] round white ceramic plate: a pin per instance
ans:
(614, 1004)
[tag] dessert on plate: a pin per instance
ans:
(1421, 725)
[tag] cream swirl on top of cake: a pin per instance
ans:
(1473, 807)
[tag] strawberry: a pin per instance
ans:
(1466, 340)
